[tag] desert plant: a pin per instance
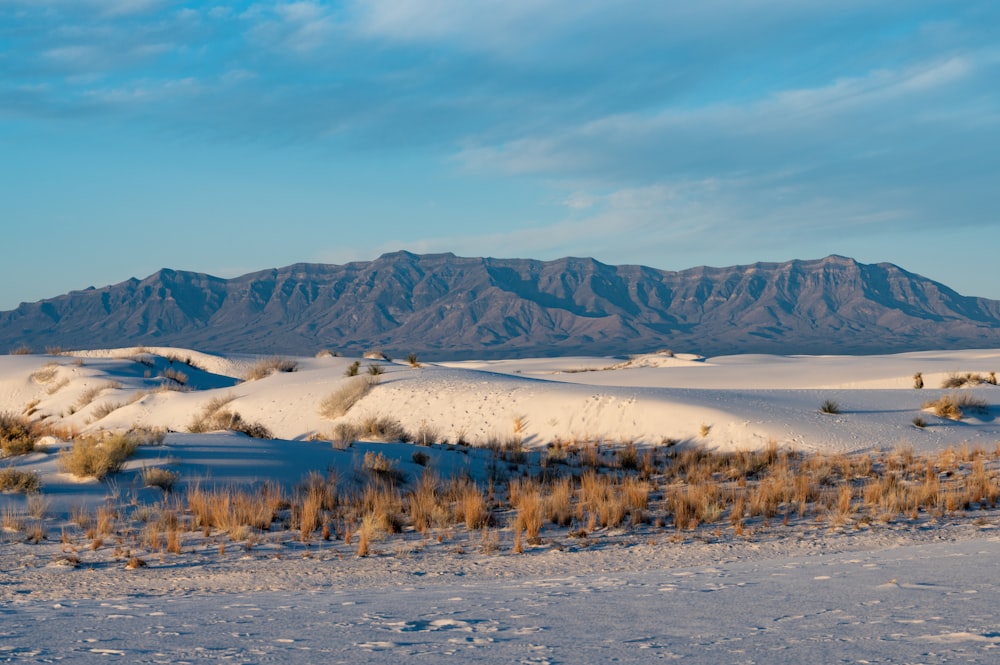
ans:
(17, 480)
(918, 380)
(156, 476)
(412, 359)
(22, 350)
(919, 422)
(381, 428)
(265, 367)
(177, 376)
(955, 407)
(229, 420)
(829, 406)
(90, 457)
(105, 409)
(17, 436)
(339, 402)
(420, 458)
(381, 466)
(352, 369)
(375, 373)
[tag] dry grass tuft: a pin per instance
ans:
(267, 366)
(90, 457)
(17, 436)
(156, 476)
(339, 402)
(225, 419)
(955, 407)
(17, 480)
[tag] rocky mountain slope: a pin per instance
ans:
(443, 306)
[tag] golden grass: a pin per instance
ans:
(92, 457)
(339, 402)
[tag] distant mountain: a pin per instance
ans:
(444, 306)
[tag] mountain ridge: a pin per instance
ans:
(442, 305)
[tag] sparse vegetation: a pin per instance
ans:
(829, 406)
(339, 402)
(267, 366)
(157, 476)
(412, 359)
(352, 369)
(92, 457)
(955, 407)
(967, 379)
(918, 380)
(17, 435)
(17, 480)
(381, 428)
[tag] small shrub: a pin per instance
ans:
(90, 457)
(90, 394)
(17, 436)
(381, 428)
(382, 466)
(46, 374)
(229, 420)
(919, 422)
(339, 402)
(106, 409)
(375, 373)
(176, 376)
(344, 434)
(918, 380)
(704, 430)
(829, 406)
(16, 480)
(155, 476)
(267, 366)
(412, 359)
(420, 457)
(23, 350)
(352, 369)
(955, 408)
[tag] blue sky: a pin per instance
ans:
(232, 137)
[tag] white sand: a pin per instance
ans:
(891, 594)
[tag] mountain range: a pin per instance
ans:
(444, 306)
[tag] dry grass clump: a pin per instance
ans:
(22, 350)
(90, 394)
(955, 407)
(17, 480)
(267, 366)
(175, 376)
(339, 402)
(156, 476)
(91, 457)
(957, 380)
(105, 409)
(46, 374)
(17, 435)
(380, 466)
(224, 419)
(381, 428)
(233, 510)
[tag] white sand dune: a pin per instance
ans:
(891, 593)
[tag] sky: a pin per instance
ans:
(232, 137)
